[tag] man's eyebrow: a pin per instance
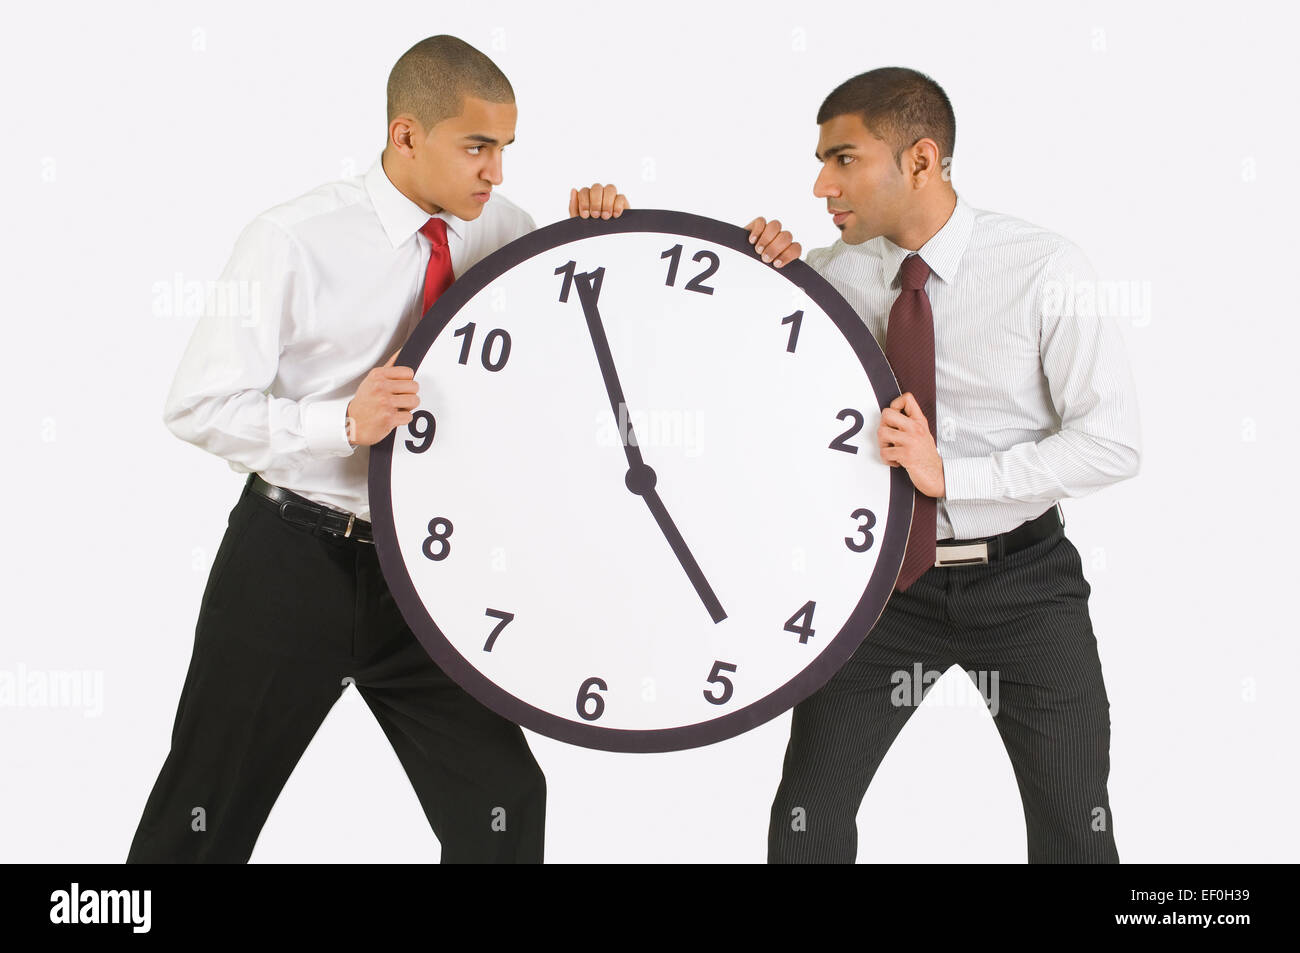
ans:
(832, 152)
(486, 140)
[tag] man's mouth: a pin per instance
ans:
(837, 216)
(482, 196)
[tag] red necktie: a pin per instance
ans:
(438, 276)
(909, 348)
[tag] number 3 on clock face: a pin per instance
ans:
(640, 507)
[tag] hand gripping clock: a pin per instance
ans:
(595, 370)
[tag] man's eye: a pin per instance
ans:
(845, 160)
(474, 150)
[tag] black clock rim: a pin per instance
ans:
(865, 614)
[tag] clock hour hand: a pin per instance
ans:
(645, 477)
(640, 478)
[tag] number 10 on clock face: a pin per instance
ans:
(640, 506)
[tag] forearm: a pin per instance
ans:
(1068, 463)
(257, 431)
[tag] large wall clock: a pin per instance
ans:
(640, 506)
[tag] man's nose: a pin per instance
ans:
(493, 171)
(823, 188)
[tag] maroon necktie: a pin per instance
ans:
(438, 276)
(909, 348)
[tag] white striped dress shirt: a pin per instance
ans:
(327, 286)
(1034, 395)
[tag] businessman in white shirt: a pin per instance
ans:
(294, 392)
(1016, 394)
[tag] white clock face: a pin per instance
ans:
(640, 507)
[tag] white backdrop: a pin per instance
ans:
(138, 143)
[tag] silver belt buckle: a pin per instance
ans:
(352, 518)
(962, 554)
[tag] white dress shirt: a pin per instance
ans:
(318, 291)
(1034, 396)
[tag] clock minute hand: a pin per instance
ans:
(640, 478)
(588, 295)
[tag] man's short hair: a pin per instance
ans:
(899, 106)
(431, 80)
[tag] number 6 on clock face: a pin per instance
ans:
(638, 508)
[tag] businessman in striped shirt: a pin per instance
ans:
(1016, 394)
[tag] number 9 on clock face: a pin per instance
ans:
(640, 506)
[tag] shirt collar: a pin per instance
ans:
(400, 217)
(942, 252)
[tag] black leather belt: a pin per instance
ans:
(968, 552)
(301, 511)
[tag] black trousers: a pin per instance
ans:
(288, 614)
(1021, 625)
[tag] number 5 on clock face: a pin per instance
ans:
(640, 507)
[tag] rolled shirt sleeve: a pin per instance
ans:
(221, 399)
(1092, 391)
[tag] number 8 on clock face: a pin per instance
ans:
(640, 506)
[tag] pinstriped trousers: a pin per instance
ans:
(1024, 617)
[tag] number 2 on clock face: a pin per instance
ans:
(636, 509)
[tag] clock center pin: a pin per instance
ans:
(641, 479)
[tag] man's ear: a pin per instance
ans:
(924, 160)
(405, 133)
